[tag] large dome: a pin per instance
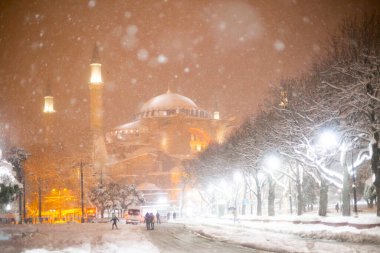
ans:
(168, 101)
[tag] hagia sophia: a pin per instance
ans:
(147, 151)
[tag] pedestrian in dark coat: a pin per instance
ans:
(147, 221)
(114, 219)
(151, 221)
(158, 218)
(337, 207)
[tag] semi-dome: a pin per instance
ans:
(168, 101)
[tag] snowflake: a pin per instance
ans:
(91, 3)
(279, 45)
(142, 54)
(162, 59)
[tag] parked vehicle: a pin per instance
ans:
(133, 216)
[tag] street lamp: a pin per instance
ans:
(238, 177)
(272, 162)
(328, 140)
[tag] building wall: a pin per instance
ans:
(155, 153)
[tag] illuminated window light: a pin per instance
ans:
(216, 115)
(96, 73)
(49, 104)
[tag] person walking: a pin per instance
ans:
(174, 215)
(147, 221)
(158, 221)
(337, 207)
(114, 221)
(151, 221)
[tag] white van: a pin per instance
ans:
(133, 216)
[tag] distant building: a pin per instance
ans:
(149, 150)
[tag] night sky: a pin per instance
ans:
(211, 51)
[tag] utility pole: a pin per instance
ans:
(81, 190)
(39, 201)
(24, 200)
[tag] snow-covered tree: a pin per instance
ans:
(9, 185)
(112, 196)
(352, 74)
(131, 196)
(100, 198)
(17, 156)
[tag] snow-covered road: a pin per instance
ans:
(187, 235)
(176, 238)
(80, 238)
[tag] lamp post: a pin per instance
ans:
(238, 180)
(272, 163)
(327, 142)
(24, 200)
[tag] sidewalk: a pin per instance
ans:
(366, 219)
(363, 221)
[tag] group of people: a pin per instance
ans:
(150, 219)
(168, 216)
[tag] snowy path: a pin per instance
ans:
(175, 238)
(282, 237)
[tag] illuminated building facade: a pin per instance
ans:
(149, 150)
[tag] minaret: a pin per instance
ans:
(48, 122)
(215, 114)
(48, 114)
(96, 85)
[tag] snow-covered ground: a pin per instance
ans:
(277, 234)
(307, 233)
(74, 238)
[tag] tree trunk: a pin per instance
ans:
(182, 198)
(259, 211)
(244, 205)
(376, 171)
(378, 201)
(20, 207)
(299, 193)
(323, 198)
(346, 208)
(271, 197)
(258, 196)
(299, 199)
(24, 201)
